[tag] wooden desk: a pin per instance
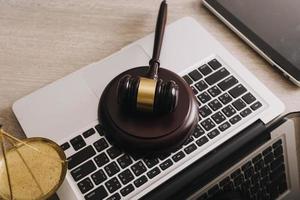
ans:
(42, 41)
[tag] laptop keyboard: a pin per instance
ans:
(101, 170)
(261, 178)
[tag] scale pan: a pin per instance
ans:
(36, 169)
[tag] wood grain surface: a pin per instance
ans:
(42, 41)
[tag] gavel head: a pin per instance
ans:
(147, 95)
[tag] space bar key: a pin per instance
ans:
(217, 76)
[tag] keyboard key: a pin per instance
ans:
(204, 97)
(267, 151)
(99, 176)
(89, 133)
(224, 181)
(229, 111)
(166, 164)
(259, 165)
(276, 178)
(214, 91)
(208, 124)
(65, 146)
(256, 105)
(205, 111)
(217, 76)
(246, 112)
(83, 170)
(235, 119)
(236, 173)
(126, 190)
(225, 98)
(237, 91)
(150, 162)
(126, 176)
(85, 185)
(188, 140)
(100, 145)
(140, 181)
(265, 171)
(246, 165)
(269, 158)
(101, 159)
(218, 117)
(198, 131)
(99, 193)
(187, 79)
(277, 162)
(278, 151)
(239, 104)
(201, 85)
(113, 184)
(115, 196)
(223, 127)
(215, 104)
(100, 129)
(213, 133)
(138, 168)
(214, 64)
(178, 156)
(202, 141)
(80, 157)
(248, 98)
(111, 169)
(195, 75)
(255, 179)
(277, 173)
(277, 144)
(205, 69)
(77, 142)
(238, 180)
(124, 161)
(114, 152)
(228, 83)
(189, 149)
(154, 172)
(195, 91)
(256, 158)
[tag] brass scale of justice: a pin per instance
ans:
(32, 168)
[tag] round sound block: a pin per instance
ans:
(147, 133)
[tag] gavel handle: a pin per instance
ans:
(159, 35)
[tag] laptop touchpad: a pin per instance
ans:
(98, 75)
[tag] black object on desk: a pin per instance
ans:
(148, 109)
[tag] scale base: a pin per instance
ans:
(143, 133)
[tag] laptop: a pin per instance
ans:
(230, 98)
(258, 163)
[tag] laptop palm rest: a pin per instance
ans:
(64, 107)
